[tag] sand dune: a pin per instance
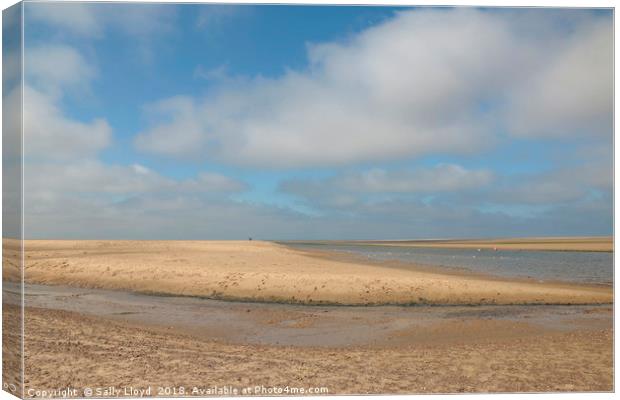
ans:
(264, 271)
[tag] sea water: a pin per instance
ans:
(570, 266)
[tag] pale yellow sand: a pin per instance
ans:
(68, 349)
(264, 271)
(582, 243)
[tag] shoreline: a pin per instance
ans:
(267, 272)
(602, 244)
(336, 255)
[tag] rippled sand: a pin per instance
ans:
(64, 348)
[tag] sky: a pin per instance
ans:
(173, 121)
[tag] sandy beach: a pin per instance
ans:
(269, 272)
(92, 321)
(215, 200)
(82, 351)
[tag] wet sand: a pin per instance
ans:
(68, 349)
(95, 323)
(584, 243)
(268, 272)
(317, 326)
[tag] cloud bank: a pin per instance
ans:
(397, 121)
(425, 82)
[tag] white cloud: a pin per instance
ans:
(574, 185)
(209, 181)
(96, 178)
(78, 18)
(573, 93)
(183, 216)
(53, 68)
(443, 177)
(180, 135)
(349, 189)
(425, 82)
(50, 135)
(51, 71)
(93, 19)
(140, 169)
(64, 180)
(175, 216)
(566, 184)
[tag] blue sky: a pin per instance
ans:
(291, 122)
